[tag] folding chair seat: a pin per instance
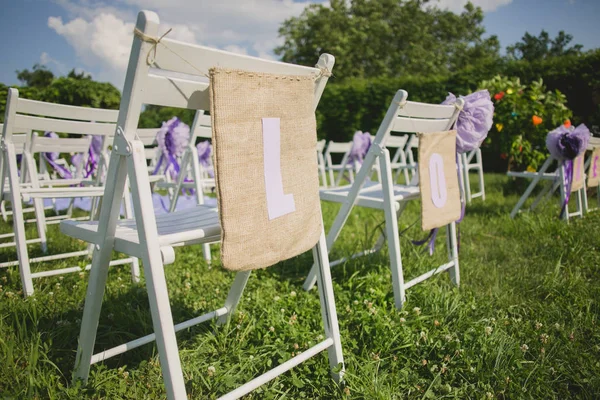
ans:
(153, 238)
(342, 149)
(30, 115)
(402, 117)
(472, 160)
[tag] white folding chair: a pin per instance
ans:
(23, 114)
(342, 149)
(321, 162)
(472, 160)
(402, 116)
(556, 181)
(153, 238)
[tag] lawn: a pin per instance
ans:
(523, 323)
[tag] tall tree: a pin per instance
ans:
(40, 76)
(387, 37)
(533, 48)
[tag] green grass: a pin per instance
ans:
(523, 324)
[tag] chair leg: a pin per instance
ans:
(91, 311)
(234, 295)
(328, 311)
(453, 253)
(206, 253)
(18, 220)
(480, 171)
(162, 321)
(391, 228)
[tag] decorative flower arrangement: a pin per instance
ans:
(523, 115)
(172, 139)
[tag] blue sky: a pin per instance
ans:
(95, 35)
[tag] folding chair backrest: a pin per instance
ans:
(398, 142)
(338, 147)
(405, 116)
(41, 144)
(42, 116)
(593, 143)
(321, 145)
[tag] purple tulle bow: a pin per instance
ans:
(361, 143)
(474, 121)
(94, 153)
(565, 145)
(172, 139)
(204, 151)
(51, 158)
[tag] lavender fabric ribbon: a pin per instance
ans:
(472, 127)
(172, 139)
(565, 144)
(93, 156)
(51, 158)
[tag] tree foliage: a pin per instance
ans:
(39, 76)
(374, 38)
(532, 48)
(77, 89)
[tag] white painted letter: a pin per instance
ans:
(278, 204)
(437, 179)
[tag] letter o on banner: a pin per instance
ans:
(437, 179)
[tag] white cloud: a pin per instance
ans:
(105, 42)
(458, 5)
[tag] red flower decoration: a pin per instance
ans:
(536, 120)
(503, 156)
(499, 96)
(567, 123)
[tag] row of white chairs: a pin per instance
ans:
(156, 74)
(403, 163)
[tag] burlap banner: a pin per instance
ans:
(264, 137)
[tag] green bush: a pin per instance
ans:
(523, 115)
